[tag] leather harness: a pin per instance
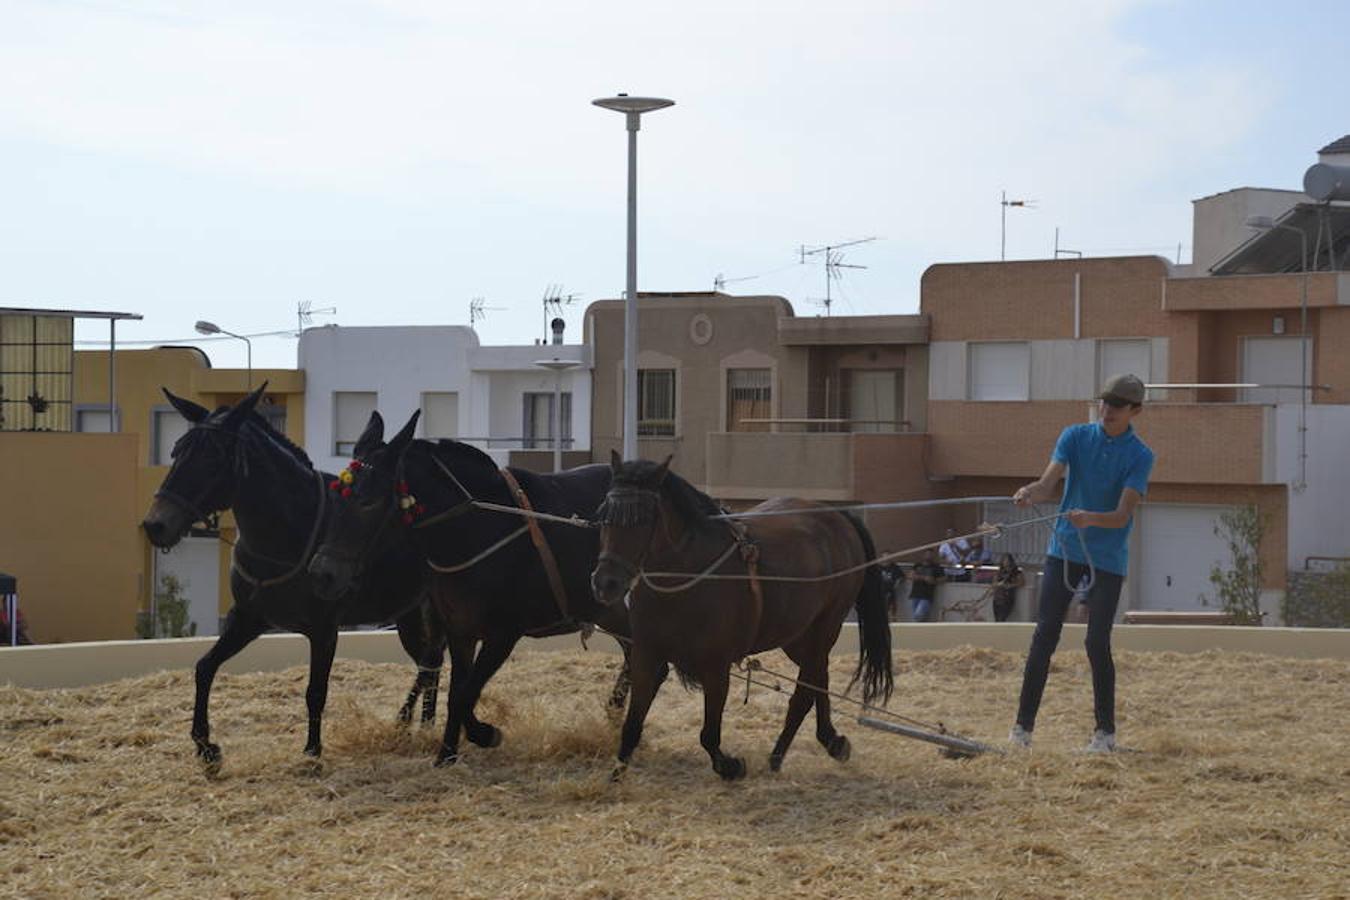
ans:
(540, 544)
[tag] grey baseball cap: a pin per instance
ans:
(1127, 388)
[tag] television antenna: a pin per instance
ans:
(478, 309)
(1004, 202)
(305, 313)
(834, 262)
(554, 301)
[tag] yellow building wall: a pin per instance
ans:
(68, 531)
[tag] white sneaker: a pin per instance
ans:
(1019, 738)
(1102, 742)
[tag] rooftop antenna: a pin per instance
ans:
(1061, 251)
(1004, 202)
(554, 301)
(478, 309)
(305, 313)
(834, 261)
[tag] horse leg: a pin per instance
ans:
(623, 682)
(322, 647)
(464, 697)
(817, 672)
(461, 666)
(425, 646)
(715, 686)
(240, 631)
(798, 706)
(647, 677)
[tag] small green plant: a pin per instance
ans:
(1238, 588)
(171, 609)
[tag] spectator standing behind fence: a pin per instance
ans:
(954, 551)
(924, 578)
(1006, 583)
(1107, 469)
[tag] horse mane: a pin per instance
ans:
(694, 506)
(280, 439)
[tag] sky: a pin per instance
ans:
(394, 161)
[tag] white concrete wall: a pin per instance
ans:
(1319, 517)
(400, 363)
(397, 363)
(1218, 222)
(73, 665)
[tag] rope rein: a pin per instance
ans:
(259, 583)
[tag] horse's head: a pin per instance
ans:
(628, 526)
(372, 498)
(207, 465)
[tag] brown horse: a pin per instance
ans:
(782, 581)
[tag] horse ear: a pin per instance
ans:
(615, 460)
(186, 408)
(400, 441)
(244, 407)
(370, 439)
(664, 469)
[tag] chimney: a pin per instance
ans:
(557, 325)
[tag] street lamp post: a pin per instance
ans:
(557, 366)
(632, 108)
(204, 327)
(1266, 223)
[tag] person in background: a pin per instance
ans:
(1107, 468)
(1006, 583)
(954, 551)
(924, 578)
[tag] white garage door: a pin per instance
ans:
(1177, 549)
(196, 564)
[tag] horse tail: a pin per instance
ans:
(875, 667)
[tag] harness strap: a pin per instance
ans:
(258, 583)
(540, 544)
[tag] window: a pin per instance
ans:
(749, 396)
(656, 402)
(93, 419)
(875, 400)
(166, 427)
(1275, 360)
(1000, 370)
(351, 412)
(537, 427)
(1123, 357)
(440, 415)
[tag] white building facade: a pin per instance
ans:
(500, 399)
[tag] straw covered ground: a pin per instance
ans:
(1238, 788)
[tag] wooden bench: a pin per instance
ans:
(1167, 617)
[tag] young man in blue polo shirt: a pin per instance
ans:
(1108, 468)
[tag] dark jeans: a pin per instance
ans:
(1055, 599)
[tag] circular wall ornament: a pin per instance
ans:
(700, 329)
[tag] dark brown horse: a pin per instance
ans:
(741, 590)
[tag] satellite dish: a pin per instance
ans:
(1324, 182)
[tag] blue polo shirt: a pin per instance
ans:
(1100, 468)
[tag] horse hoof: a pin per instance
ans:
(209, 753)
(839, 748)
(314, 751)
(405, 715)
(446, 758)
(617, 775)
(733, 767)
(485, 735)
(775, 762)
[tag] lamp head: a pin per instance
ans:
(204, 327)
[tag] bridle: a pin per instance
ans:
(237, 468)
(626, 506)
